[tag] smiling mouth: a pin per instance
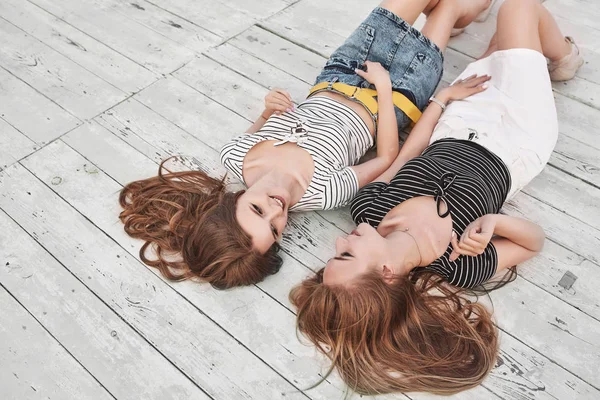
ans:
(279, 201)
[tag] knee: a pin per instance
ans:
(519, 6)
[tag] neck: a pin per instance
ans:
(404, 252)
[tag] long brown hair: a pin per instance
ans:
(188, 220)
(404, 336)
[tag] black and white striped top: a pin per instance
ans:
(470, 179)
(334, 135)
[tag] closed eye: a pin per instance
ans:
(275, 233)
(257, 209)
(343, 257)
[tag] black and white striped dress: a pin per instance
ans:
(470, 179)
(332, 133)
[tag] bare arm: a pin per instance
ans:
(516, 239)
(419, 137)
(260, 122)
(276, 101)
(387, 125)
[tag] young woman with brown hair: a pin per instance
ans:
(297, 158)
(388, 309)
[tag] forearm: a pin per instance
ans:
(520, 231)
(260, 122)
(417, 141)
(387, 126)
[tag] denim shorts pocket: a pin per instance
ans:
(420, 78)
(354, 52)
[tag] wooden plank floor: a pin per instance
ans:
(95, 93)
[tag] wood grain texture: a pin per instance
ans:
(198, 71)
(31, 113)
(82, 323)
(260, 324)
(91, 54)
(34, 364)
(128, 37)
(201, 350)
(69, 85)
(13, 145)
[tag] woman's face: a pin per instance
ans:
(362, 251)
(263, 215)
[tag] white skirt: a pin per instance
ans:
(515, 118)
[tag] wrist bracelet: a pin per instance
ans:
(438, 102)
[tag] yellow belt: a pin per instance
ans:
(367, 98)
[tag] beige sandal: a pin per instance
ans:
(565, 68)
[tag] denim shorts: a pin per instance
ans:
(415, 63)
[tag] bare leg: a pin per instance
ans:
(492, 47)
(527, 24)
(408, 10)
(448, 14)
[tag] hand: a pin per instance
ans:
(475, 238)
(277, 101)
(464, 88)
(375, 74)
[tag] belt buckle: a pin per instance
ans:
(332, 82)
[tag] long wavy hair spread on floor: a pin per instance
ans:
(405, 336)
(187, 219)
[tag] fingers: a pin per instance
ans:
(458, 248)
(284, 93)
(475, 82)
(279, 101)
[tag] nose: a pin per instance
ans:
(274, 210)
(341, 244)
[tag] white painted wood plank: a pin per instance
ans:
(252, 317)
(224, 86)
(301, 361)
(567, 194)
(281, 53)
(13, 145)
(582, 12)
(320, 25)
(60, 79)
(257, 70)
(547, 269)
(565, 230)
(167, 24)
(563, 334)
(523, 374)
(34, 365)
(190, 340)
(27, 110)
(190, 110)
(126, 365)
(77, 46)
(224, 18)
(133, 40)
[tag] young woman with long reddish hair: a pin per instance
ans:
(298, 158)
(390, 309)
